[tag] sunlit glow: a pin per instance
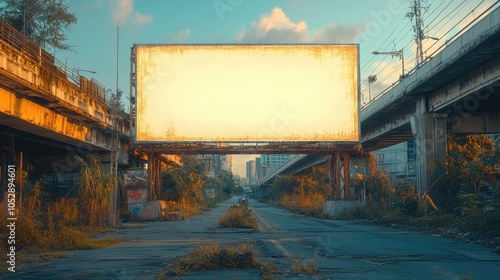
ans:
(247, 93)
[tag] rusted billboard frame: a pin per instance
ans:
(238, 147)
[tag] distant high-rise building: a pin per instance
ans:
(250, 172)
(258, 169)
(214, 164)
(272, 162)
(226, 163)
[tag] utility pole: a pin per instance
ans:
(115, 146)
(416, 13)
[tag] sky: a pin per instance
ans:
(107, 29)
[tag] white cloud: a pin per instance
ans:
(123, 13)
(140, 19)
(339, 33)
(276, 27)
(178, 38)
(122, 10)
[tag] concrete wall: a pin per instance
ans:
(142, 209)
(334, 208)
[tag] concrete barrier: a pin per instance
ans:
(334, 208)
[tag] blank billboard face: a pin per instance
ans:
(247, 93)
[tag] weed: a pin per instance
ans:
(268, 270)
(161, 275)
(238, 216)
(311, 268)
(468, 276)
(95, 187)
(216, 256)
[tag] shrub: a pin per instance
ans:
(214, 256)
(95, 187)
(238, 216)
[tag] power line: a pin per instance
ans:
(383, 44)
(379, 69)
(448, 15)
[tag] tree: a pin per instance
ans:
(45, 22)
(470, 161)
(185, 183)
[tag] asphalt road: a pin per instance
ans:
(343, 250)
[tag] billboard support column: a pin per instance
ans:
(157, 176)
(331, 176)
(335, 176)
(346, 176)
(151, 171)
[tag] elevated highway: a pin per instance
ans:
(40, 97)
(49, 113)
(456, 91)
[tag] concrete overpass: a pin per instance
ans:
(51, 112)
(45, 99)
(455, 91)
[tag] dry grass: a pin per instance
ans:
(215, 256)
(186, 207)
(307, 268)
(238, 216)
(54, 227)
(309, 203)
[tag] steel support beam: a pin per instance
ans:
(339, 173)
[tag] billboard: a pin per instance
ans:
(247, 93)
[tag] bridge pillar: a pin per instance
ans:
(429, 132)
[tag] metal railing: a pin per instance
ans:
(56, 68)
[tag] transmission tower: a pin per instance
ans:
(416, 13)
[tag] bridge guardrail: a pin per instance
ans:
(437, 51)
(49, 63)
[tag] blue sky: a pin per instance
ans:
(377, 25)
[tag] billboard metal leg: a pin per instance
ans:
(335, 176)
(157, 177)
(150, 176)
(346, 176)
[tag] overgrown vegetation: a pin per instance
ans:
(386, 200)
(65, 223)
(310, 268)
(183, 185)
(222, 186)
(238, 216)
(463, 202)
(214, 256)
(304, 193)
(186, 188)
(95, 187)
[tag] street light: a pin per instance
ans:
(433, 38)
(82, 70)
(395, 53)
